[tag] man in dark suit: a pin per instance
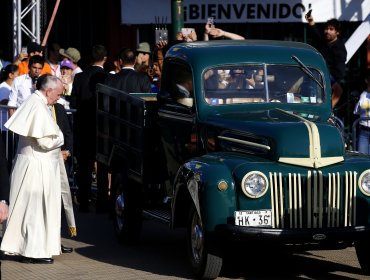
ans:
(128, 79)
(64, 125)
(83, 93)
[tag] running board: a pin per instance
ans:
(160, 215)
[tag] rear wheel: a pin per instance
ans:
(206, 264)
(363, 255)
(127, 211)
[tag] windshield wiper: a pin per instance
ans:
(307, 71)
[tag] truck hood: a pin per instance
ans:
(280, 136)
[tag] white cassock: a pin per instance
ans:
(34, 223)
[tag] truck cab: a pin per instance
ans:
(239, 145)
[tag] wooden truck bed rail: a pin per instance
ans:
(127, 134)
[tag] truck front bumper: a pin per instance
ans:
(293, 236)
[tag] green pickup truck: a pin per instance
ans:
(239, 146)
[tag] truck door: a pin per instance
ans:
(176, 116)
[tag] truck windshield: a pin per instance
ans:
(262, 83)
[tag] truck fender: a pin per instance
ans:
(195, 183)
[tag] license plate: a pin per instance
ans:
(253, 218)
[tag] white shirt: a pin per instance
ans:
(64, 102)
(55, 68)
(5, 90)
(76, 70)
(362, 107)
(21, 89)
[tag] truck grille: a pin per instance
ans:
(313, 201)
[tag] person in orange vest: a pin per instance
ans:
(33, 48)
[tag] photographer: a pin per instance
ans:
(333, 50)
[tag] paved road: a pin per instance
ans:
(161, 255)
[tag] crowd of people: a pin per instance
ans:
(39, 90)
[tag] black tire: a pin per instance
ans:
(206, 262)
(127, 217)
(363, 255)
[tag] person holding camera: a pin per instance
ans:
(333, 50)
(211, 30)
(24, 85)
(23, 58)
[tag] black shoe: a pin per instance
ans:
(67, 249)
(37, 260)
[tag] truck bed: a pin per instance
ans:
(127, 134)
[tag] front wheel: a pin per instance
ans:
(363, 255)
(206, 264)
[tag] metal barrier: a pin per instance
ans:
(10, 141)
(8, 136)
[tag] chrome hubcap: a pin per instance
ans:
(197, 238)
(119, 209)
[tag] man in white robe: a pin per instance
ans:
(34, 223)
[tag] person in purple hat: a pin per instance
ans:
(66, 74)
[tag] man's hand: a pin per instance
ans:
(193, 36)
(4, 210)
(161, 44)
(180, 36)
(216, 32)
(309, 19)
(65, 154)
(207, 28)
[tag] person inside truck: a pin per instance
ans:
(223, 78)
(237, 79)
(255, 80)
(210, 79)
(184, 89)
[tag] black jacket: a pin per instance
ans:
(65, 126)
(84, 125)
(130, 81)
(335, 54)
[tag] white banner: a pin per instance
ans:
(242, 11)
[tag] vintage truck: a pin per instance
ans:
(239, 146)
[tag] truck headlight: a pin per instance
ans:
(364, 182)
(254, 184)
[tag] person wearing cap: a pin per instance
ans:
(66, 74)
(33, 48)
(142, 55)
(73, 55)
